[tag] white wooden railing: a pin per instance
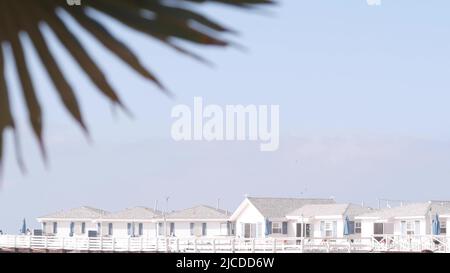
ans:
(385, 243)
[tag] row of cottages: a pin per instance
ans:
(409, 219)
(295, 217)
(137, 222)
(254, 218)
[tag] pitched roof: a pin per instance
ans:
(200, 212)
(279, 207)
(84, 212)
(409, 210)
(329, 210)
(137, 213)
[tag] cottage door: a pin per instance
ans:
(299, 232)
(378, 229)
(247, 230)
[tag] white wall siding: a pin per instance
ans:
(63, 228)
(367, 228)
(213, 229)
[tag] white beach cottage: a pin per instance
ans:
(327, 220)
(260, 217)
(131, 222)
(199, 221)
(410, 219)
(77, 222)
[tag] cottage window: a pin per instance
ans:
(276, 228)
(83, 228)
(192, 229)
(172, 229)
(229, 230)
(417, 227)
(328, 228)
(141, 229)
(110, 229)
(160, 229)
(284, 229)
(443, 227)
(357, 227)
(308, 230)
(249, 230)
(204, 229)
(410, 227)
(72, 229)
(55, 227)
(129, 229)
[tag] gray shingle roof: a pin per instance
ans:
(84, 212)
(409, 210)
(329, 210)
(279, 207)
(200, 212)
(137, 213)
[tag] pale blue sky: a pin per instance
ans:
(363, 95)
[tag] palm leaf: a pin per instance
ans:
(155, 18)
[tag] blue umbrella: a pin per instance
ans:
(347, 227)
(24, 227)
(436, 226)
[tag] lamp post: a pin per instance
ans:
(431, 222)
(302, 227)
(165, 216)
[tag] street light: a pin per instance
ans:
(165, 216)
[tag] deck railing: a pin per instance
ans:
(379, 243)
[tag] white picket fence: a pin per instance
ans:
(386, 243)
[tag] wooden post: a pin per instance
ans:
(46, 242)
(253, 245)
(157, 244)
(195, 246)
(274, 250)
(178, 244)
(101, 243)
(214, 245)
(113, 244)
(167, 245)
(129, 243)
(233, 245)
(142, 244)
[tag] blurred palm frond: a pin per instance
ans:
(167, 21)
